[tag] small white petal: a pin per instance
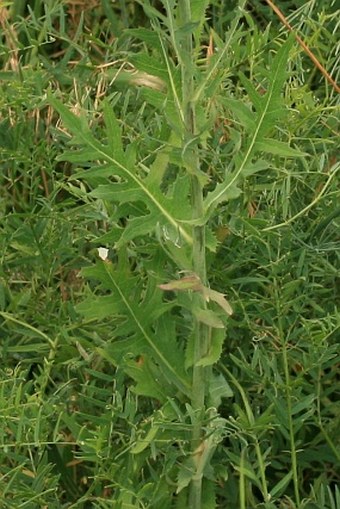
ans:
(103, 253)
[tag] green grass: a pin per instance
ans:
(216, 158)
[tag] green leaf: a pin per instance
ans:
(130, 186)
(153, 13)
(251, 91)
(223, 192)
(144, 442)
(208, 317)
(79, 156)
(139, 329)
(215, 348)
(255, 167)
(277, 147)
(149, 380)
(242, 112)
(215, 63)
(113, 132)
(218, 389)
(268, 109)
(247, 470)
(98, 308)
(186, 29)
(191, 282)
(150, 65)
(306, 402)
(159, 166)
(149, 36)
(77, 125)
(219, 298)
(166, 105)
(209, 494)
(185, 474)
(198, 8)
(280, 487)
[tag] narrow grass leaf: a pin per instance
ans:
(281, 486)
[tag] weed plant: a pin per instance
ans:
(169, 255)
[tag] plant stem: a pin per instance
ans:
(201, 331)
(293, 454)
(288, 389)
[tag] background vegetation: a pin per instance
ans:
(83, 423)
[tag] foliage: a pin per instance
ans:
(194, 363)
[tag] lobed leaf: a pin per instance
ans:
(129, 185)
(268, 109)
(139, 328)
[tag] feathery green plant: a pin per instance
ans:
(177, 210)
(193, 171)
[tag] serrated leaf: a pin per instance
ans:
(149, 36)
(188, 28)
(78, 156)
(140, 326)
(77, 125)
(268, 109)
(98, 308)
(166, 105)
(94, 173)
(209, 493)
(218, 389)
(130, 185)
(137, 227)
(223, 192)
(148, 377)
(215, 63)
(153, 13)
(277, 147)
(185, 474)
(249, 472)
(243, 114)
(215, 348)
(208, 317)
(256, 167)
(198, 8)
(159, 166)
(150, 65)
(113, 132)
(251, 91)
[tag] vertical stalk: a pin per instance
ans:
(201, 331)
(293, 453)
(288, 390)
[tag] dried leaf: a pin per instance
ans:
(191, 282)
(219, 298)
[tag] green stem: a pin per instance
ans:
(201, 331)
(288, 389)
(293, 454)
(242, 484)
(262, 469)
